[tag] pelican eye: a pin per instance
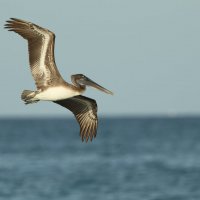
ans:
(82, 76)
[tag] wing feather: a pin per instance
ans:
(41, 51)
(85, 111)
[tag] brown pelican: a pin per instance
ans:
(50, 84)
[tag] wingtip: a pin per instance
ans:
(7, 27)
(8, 24)
(15, 19)
(86, 138)
(11, 20)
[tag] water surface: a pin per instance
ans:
(131, 158)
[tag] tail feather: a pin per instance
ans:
(28, 96)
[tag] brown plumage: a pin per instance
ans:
(85, 111)
(50, 84)
(41, 51)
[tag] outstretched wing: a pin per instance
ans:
(85, 111)
(41, 51)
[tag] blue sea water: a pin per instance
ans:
(131, 159)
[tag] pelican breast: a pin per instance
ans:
(57, 93)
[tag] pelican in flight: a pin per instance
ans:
(50, 84)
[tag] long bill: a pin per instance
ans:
(91, 83)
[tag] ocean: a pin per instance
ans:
(138, 158)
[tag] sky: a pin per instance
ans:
(146, 52)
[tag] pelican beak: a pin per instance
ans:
(89, 82)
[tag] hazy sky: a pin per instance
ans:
(146, 52)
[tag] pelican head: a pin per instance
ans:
(81, 81)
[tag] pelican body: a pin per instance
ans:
(49, 82)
